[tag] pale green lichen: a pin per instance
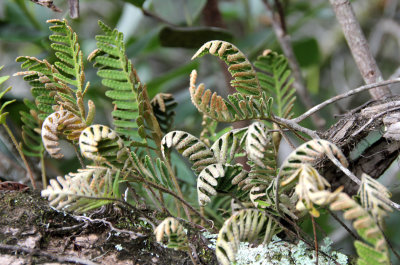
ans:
(284, 253)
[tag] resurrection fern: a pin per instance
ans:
(245, 225)
(119, 76)
(374, 197)
(31, 136)
(190, 147)
(275, 79)
(245, 78)
(163, 108)
(227, 146)
(64, 123)
(101, 144)
(171, 229)
(81, 191)
(208, 132)
(309, 153)
(238, 107)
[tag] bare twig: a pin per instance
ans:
(355, 236)
(292, 124)
(359, 47)
(55, 256)
(279, 26)
(344, 95)
(157, 17)
(73, 8)
(315, 239)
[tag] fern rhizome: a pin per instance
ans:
(265, 199)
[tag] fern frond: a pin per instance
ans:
(374, 197)
(275, 79)
(366, 227)
(68, 52)
(208, 132)
(226, 147)
(245, 78)
(119, 76)
(219, 177)
(238, 107)
(308, 153)
(245, 225)
(158, 174)
(174, 232)
(163, 108)
(77, 191)
(31, 137)
(64, 123)
(102, 144)
(190, 147)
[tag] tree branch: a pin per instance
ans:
(359, 47)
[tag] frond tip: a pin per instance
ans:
(174, 232)
(245, 79)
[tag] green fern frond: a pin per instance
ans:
(190, 147)
(275, 79)
(245, 225)
(102, 144)
(3, 115)
(119, 76)
(245, 78)
(31, 138)
(67, 50)
(163, 108)
(208, 132)
(238, 107)
(174, 232)
(79, 191)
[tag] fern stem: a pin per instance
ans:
(43, 170)
(21, 154)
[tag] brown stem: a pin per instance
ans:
(359, 47)
(73, 8)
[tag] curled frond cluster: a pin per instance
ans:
(245, 225)
(102, 144)
(163, 107)
(78, 191)
(238, 107)
(61, 122)
(226, 147)
(309, 153)
(171, 229)
(245, 78)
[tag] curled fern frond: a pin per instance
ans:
(245, 78)
(190, 147)
(64, 123)
(275, 78)
(119, 76)
(68, 52)
(219, 177)
(174, 232)
(238, 107)
(209, 126)
(76, 191)
(309, 153)
(226, 147)
(102, 144)
(374, 197)
(163, 107)
(245, 225)
(31, 136)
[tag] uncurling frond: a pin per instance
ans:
(163, 107)
(59, 123)
(245, 78)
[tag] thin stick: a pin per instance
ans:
(55, 256)
(344, 95)
(73, 8)
(292, 124)
(359, 47)
(78, 155)
(285, 137)
(21, 154)
(43, 170)
(156, 17)
(355, 236)
(315, 239)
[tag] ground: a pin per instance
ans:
(31, 232)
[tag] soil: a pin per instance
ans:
(31, 232)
